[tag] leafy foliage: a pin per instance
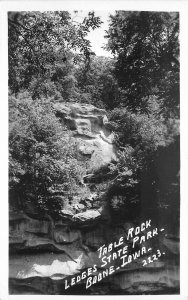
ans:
(147, 49)
(143, 141)
(38, 40)
(42, 154)
(50, 59)
(97, 83)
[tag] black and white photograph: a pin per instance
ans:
(94, 152)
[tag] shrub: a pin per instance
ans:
(42, 153)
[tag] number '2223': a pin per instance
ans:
(152, 258)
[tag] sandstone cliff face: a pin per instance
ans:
(91, 129)
(45, 252)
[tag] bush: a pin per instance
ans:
(42, 153)
(142, 140)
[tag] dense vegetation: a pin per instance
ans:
(50, 59)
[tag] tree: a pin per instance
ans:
(97, 83)
(144, 143)
(147, 49)
(37, 39)
(42, 164)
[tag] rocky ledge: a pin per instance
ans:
(45, 252)
(91, 129)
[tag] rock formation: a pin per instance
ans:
(91, 129)
(45, 252)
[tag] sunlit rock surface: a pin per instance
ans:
(91, 129)
(44, 253)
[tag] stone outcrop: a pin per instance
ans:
(90, 127)
(43, 255)
(87, 217)
(45, 252)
